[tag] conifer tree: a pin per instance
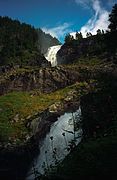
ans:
(113, 19)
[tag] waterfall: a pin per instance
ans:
(51, 54)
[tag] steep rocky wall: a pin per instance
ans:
(50, 79)
(102, 46)
(43, 79)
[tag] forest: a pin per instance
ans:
(22, 44)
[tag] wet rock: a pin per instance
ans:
(54, 108)
(16, 118)
(71, 95)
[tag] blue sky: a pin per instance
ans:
(59, 17)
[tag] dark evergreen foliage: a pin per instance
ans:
(103, 45)
(15, 39)
(68, 39)
(22, 44)
(113, 19)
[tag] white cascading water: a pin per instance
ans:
(51, 54)
(60, 136)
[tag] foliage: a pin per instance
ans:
(88, 34)
(103, 45)
(96, 156)
(68, 39)
(15, 107)
(90, 62)
(79, 36)
(113, 19)
(15, 38)
(23, 104)
(22, 44)
(90, 160)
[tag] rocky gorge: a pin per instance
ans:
(74, 81)
(37, 93)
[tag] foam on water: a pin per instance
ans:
(51, 54)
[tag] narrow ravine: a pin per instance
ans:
(64, 134)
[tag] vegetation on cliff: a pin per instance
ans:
(113, 19)
(103, 45)
(22, 44)
(90, 77)
(17, 107)
(96, 156)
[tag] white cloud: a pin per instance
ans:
(96, 6)
(101, 23)
(98, 21)
(73, 34)
(58, 31)
(83, 3)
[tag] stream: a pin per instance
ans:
(64, 135)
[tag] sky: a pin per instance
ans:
(60, 17)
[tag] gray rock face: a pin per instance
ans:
(43, 79)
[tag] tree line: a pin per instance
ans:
(103, 44)
(21, 43)
(112, 28)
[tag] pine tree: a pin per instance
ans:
(113, 19)
(68, 39)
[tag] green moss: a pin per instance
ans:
(15, 107)
(94, 61)
(85, 62)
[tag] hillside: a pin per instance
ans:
(34, 95)
(102, 46)
(46, 41)
(22, 44)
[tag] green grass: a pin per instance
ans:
(25, 104)
(90, 62)
(22, 104)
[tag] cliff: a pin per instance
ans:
(41, 94)
(43, 79)
(33, 95)
(101, 46)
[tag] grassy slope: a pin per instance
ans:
(15, 107)
(93, 159)
(21, 104)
